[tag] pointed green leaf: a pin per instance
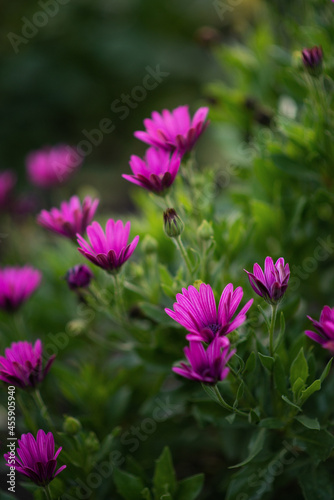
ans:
(287, 400)
(299, 368)
(255, 446)
(250, 363)
(315, 386)
(310, 423)
(128, 485)
(297, 387)
(318, 444)
(240, 393)
(326, 370)
(316, 483)
(266, 361)
(264, 317)
(190, 488)
(164, 480)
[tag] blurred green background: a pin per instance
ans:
(64, 78)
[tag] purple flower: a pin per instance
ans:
(51, 166)
(16, 286)
(156, 172)
(79, 276)
(207, 366)
(108, 250)
(197, 312)
(22, 364)
(325, 329)
(174, 130)
(312, 59)
(7, 182)
(272, 284)
(72, 218)
(36, 458)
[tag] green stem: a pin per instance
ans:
(43, 409)
(26, 415)
(183, 252)
(169, 203)
(47, 492)
(225, 405)
(272, 328)
(119, 300)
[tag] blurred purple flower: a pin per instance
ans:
(108, 250)
(72, 218)
(197, 312)
(207, 366)
(50, 166)
(174, 130)
(325, 329)
(37, 458)
(312, 59)
(156, 172)
(272, 284)
(79, 276)
(16, 286)
(22, 364)
(7, 182)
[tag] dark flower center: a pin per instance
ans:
(214, 328)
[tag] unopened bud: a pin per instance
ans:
(205, 231)
(149, 245)
(71, 426)
(79, 276)
(92, 443)
(197, 284)
(312, 60)
(173, 224)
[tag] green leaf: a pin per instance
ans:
(164, 480)
(240, 393)
(230, 418)
(271, 423)
(308, 422)
(128, 485)
(291, 166)
(266, 361)
(250, 363)
(264, 317)
(157, 314)
(255, 446)
(190, 488)
(318, 444)
(297, 387)
(299, 368)
(105, 447)
(287, 400)
(315, 386)
(316, 483)
(326, 370)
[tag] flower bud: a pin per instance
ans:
(92, 443)
(149, 245)
(79, 277)
(312, 60)
(205, 231)
(71, 426)
(173, 224)
(197, 284)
